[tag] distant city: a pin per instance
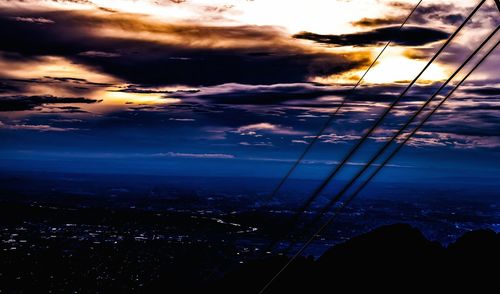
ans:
(67, 216)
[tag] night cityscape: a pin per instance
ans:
(249, 146)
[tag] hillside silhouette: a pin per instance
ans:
(396, 258)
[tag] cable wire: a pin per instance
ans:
(393, 154)
(349, 200)
(325, 182)
(381, 151)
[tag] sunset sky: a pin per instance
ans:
(237, 87)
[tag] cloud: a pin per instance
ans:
(144, 89)
(257, 127)
(268, 128)
(142, 51)
(434, 139)
(40, 128)
(98, 54)
(196, 155)
(409, 36)
(8, 88)
(484, 91)
(19, 103)
(376, 22)
(261, 94)
(64, 109)
(257, 144)
(36, 20)
(336, 138)
(294, 95)
(439, 14)
(182, 119)
(319, 162)
(443, 12)
(48, 75)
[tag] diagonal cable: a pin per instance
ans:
(295, 218)
(387, 144)
(331, 219)
(316, 193)
(392, 155)
(402, 144)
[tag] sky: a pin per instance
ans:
(239, 87)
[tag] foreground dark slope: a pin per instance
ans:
(390, 258)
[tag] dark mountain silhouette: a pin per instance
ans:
(391, 258)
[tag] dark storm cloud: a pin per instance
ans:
(479, 106)
(484, 91)
(265, 95)
(410, 36)
(464, 116)
(304, 95)
(466, 131)
(7, 88)
(189, 55)
(19, 103)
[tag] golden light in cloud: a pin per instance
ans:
(401, 69)
(51, 66)
(393, 67)
(165, 22)
(47, 70)
(112, 97)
